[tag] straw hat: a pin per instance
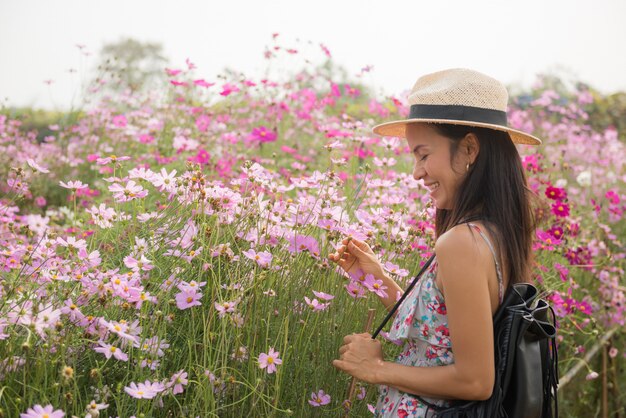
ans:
(458, 96)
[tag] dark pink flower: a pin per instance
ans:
(262, 134)
(228, 88)
(560, 209)
(555, 193)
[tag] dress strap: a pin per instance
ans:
(495, 257)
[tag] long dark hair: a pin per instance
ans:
(495, 189)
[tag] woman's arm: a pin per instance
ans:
(463, 266)
(394, 291)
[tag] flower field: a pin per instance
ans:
(165, 254)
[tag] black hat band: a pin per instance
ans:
(458, 112)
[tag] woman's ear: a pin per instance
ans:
(470, 147)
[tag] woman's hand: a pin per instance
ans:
(360, 356)
(353, 255)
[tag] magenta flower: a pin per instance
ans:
(202, 83)
(262, 134)
(320, 398)
(560, 209)
(555, 193)
(545, 241)
(556, 231)
(47, 411)
(172, 72)
(269, 361)
(146, 390)
(228, 88)
(202, 157)
(188, 298)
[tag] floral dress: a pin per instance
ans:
(422, 322)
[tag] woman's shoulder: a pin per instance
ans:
(463, 239)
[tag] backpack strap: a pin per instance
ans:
(495, 258)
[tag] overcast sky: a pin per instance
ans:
(509, 40)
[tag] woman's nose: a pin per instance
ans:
(418, 172)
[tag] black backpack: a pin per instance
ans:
(526, 360)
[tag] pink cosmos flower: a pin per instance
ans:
(323, 296)
(320, 398)
(225, 307)
(47, 411)
(119, 121)
(355, 290)
(263, 258)
(269, 361)
(93, 408)
(164, 180)
(33, 164)
(299, 243)
(146, 390)
(73, 185)
(188, 298)
(138, 264)
(110, 350)
(111, 159)
(315, 304)
(72, 243)
(129, 192)
(177, 381)
(592, 376)
(376, 286)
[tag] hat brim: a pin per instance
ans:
(398, 129)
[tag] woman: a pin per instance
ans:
(465, 155)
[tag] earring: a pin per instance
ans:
(467, 167)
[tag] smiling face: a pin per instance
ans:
(441, 174)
